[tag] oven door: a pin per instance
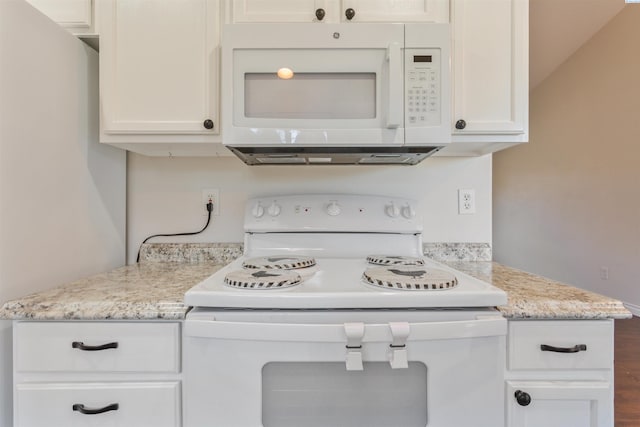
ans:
(344, 84)
(349, 369)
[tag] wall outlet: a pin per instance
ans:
(466, 202)
(212, 194)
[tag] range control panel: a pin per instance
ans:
(422, 87)
(332, 213)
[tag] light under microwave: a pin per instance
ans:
(291, 93)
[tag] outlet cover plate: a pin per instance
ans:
(466, 201)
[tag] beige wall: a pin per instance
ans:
(567, 204)
(62, 204)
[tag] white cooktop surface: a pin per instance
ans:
(337, 284)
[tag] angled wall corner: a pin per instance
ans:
(567, 204)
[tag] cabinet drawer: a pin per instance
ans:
(527, 337)
(138, 404)
(141, 347)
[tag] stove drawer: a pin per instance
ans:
(140, 404)
(96, 347)
(560, 344)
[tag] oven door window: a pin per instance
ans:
(320, 394)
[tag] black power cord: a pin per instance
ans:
(209, 210)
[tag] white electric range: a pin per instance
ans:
(331, 311)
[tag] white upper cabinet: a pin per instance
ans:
(75, 15)
(490, 75)
(338, 11)
(159, 75)
(395, 11)
(159, 66)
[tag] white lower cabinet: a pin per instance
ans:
(559, 403)
(560, 373)
(142, 404)
(115, 374)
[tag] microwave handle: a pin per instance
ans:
(396, 98)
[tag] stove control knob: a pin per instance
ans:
(274, 209)
(333, 208)
(392, 210)
(257, 210)
(408, 211)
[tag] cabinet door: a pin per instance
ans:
(335, 10)
(159, 67)
(73, 14)
(396, 11)
(282, 10)
(490, 60)
(559, 404)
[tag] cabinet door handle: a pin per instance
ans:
(522, 397)
(79, 407)
(575, 349)
(461, 124)
(81, 346)
(320, 14)
(208, 124)
(349, 13)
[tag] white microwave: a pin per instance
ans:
(335, 93)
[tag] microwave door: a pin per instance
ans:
(329, 92)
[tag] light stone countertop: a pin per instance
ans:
(535, 297)
(136, 292)
(154, 290)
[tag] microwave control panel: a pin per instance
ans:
(422, 87)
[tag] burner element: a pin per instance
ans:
(393, 260)
(262, 279)
(279, 262)
(409, 278)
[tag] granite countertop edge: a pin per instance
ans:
(154, 291)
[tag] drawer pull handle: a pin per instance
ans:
(575, 349)
(87, 411)
(80, 346)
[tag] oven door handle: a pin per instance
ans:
(335, 332)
